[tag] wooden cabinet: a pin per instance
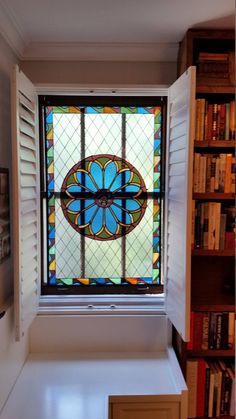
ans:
(148, 407)
(212, 268)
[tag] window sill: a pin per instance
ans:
(148, 304)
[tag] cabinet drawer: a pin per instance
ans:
(147, 410)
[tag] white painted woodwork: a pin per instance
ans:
(26, 201)
(178, 210)
(81, 385)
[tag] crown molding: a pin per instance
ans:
(17, 38)
(75, 51)
(11, 30)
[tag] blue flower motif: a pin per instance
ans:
(103, 197)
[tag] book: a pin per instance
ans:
(232, 399)
(228, 173)
(218, 330)
(222, 231)
(232, 121)
(207, 389)
(212, 396)
(191, 378)
(201, 383)
(224, 330)
(205, 330)
(231, 330)
(198, 330)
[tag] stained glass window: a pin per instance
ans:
(102, 196)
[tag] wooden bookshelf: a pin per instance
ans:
(219, 353)
(218, 253)
(212, 271)
(226, 144)
(214, 196)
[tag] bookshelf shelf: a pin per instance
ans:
(211, 353)
(206, 252)
(214, 196)
(212, 307)
(226, 144)
(215, 89)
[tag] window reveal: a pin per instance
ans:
(103, 195)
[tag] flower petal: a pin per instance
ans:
(96, 224)
(73, 188)
(132, 188)
(120, 180)
(74, 205)
(109, 174)
(97, 174)
(127, 204)
(85, 180)
(89, 213)
(111, 223)
(117, 211)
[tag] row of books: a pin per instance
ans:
(213, 226)
(214, 173)
(211, 330)
(211, 386)
(214, 121)
(214, 65)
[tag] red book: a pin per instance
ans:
(201, 381)
(229, 240)
(208, 136)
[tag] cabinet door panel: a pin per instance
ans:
(145, 411)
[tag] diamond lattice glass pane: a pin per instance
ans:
(139, 145)
(101, 228)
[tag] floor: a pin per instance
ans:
(78, 387)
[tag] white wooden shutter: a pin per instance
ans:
(178, 216)
(26, 203)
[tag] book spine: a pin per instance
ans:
(232, 121)
(197, 331)
(233, 175)
(222, 231)
(201, 383)
(228, 169)
(207, 389)
(222, 122)
(218, 330)
(191, 378)
(217, 225)
(227, 116)
(222, 172)
(231, 330)
(209, 122)
(214, 122)
(225, 331)
(206, 225)
(205, 331)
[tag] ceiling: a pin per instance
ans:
(76, 29)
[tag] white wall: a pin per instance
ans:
(88, 333)
(109, 73)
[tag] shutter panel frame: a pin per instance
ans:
(178, 206)
(26, 201)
